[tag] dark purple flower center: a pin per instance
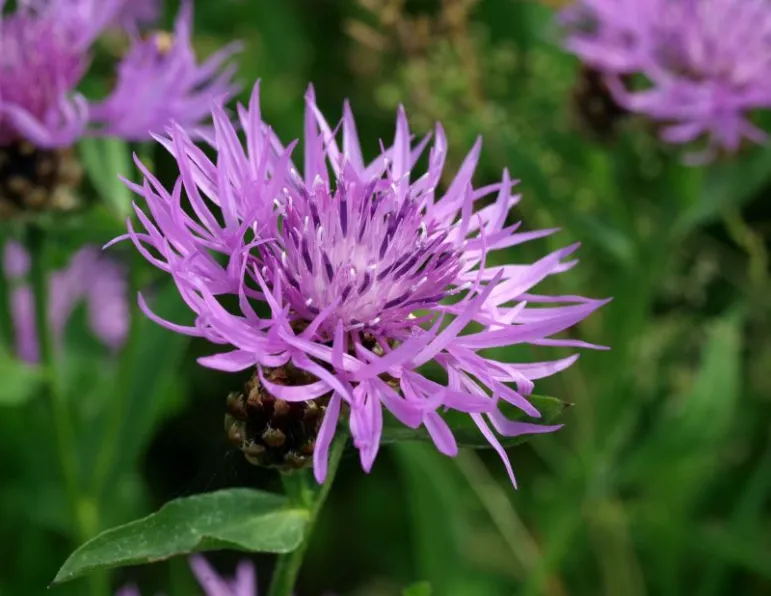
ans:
(361, 249)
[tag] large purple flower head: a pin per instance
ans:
(349, 279)
(243, 584)
(160, 80)
(707, 63)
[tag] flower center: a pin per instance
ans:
(363, 252)
(33, 179)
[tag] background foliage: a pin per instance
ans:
(658, 485)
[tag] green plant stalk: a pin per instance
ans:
(299, 488)
(63, 429)
(116, 414)
(6, 322)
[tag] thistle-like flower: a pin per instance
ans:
(706, 63)
(243, 584)
(44, 54)
(349, 279)
(159, 80)
(90, 277)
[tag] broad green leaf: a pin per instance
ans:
(442, 514)
(150, 366)
(466, 432)
(419, 589)
(728, 185)
(241, 519)
(104, 159)
(700, 419)
(19, 380)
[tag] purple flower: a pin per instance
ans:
(159, 81)
(243, 584)
(707, 63)
(38, 98)
(90, 277)
(368, 273)
(138, 13)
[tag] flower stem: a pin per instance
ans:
(6, 322)
(105, 462)
(61, 416)
(299, 488)
(65, 436)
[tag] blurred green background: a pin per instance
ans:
(658, 485)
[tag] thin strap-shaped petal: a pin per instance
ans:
(495, 444)
(324, 439)
(294, 392)
(441, 434)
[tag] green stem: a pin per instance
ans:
(112, 435)
(61, 417)
(6, 322)
(82, 508)
(298, 486)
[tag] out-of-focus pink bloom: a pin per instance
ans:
(706, 63)
(90, 277)
(243, 584)
(45, 52)
(160, 81)
(139, 13)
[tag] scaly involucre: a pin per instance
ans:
(707, 63)
(365, 272)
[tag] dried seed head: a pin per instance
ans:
(271, 432)
(596, 111)
(36, 180)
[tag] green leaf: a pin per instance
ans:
(419, 589)
(465, 430)
(104, 159)
(239, 518)
(728, 185)
(19, 380)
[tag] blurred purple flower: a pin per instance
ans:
(159, 81)
(707, 63)
(38, 98)
(355, 268)
(139, 13)
(243, 584)
(90, 277)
